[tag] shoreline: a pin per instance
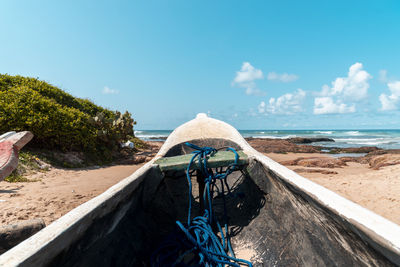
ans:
(371, 180)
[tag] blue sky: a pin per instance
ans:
(254, 64)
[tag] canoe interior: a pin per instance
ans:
(271, 223)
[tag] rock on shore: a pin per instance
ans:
(322, 162)
(309, 140)
(375, 157)
(297, 145)
(281, 146)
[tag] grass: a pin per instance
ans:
(58, 159)
(14, 177)
(139, 143)
(28, 163)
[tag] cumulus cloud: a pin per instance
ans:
(262, 107)
(326, 105)
(109, 91)
(389, 102)
(246, 78)
(248, 74)
(354, 86)
(289, 103)
(284, 77)
(344, 92)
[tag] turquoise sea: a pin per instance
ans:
(386, 139)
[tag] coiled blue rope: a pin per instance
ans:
(196, 244)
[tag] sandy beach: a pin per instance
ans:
(57, 191)
(377, 190)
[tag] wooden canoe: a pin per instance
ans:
(10, 144)
(283, 219)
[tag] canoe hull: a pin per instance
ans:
(282, 219)
(10, 144)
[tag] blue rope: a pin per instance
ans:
(196, 244)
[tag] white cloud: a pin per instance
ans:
(326, 105)
(284, 77)
(246, 78)
(389, 102)
(354, 86)
(261, 107)
(109, 91)
(248, 74)
(350, 89)
(289, 103)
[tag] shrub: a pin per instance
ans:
(139, 143)
(52, 92)
(59, 120)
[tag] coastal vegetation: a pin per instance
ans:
(61, 122)
(28, 163)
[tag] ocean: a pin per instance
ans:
(387, 139)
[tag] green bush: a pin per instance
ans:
(139, 143)
(59, 120)
(52, 92)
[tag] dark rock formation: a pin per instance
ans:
(321, 162)
(304, 170)
(158, 138)
(376, 159)
(363, 149)
(309, 140)
(281, 146)
(384, 151)
(362, 160)
(296, 145)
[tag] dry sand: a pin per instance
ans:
(377, 190)
(60, 190)
(57, 192)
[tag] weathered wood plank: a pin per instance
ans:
(219, 159)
